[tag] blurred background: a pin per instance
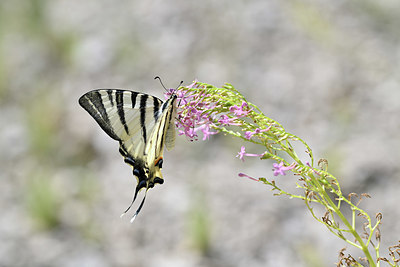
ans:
(329, 71)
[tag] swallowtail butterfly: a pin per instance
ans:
(142, 124)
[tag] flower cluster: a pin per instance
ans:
(200, 110)
(190, 116)
(194, 114)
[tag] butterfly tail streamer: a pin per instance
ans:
(133, 200)
(140, 207)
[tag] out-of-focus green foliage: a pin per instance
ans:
(43, 117)
(42, 200)
(199, 226)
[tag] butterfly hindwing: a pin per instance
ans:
(170, 133)
(141, 123)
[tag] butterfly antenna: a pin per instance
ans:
(179, 85)
(140, 207)
(180, 100)
(157, 77)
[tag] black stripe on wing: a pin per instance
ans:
(93, 104)
(156, 108)
(143, 100)
(133, 99)
(110, 96)
(120, 107)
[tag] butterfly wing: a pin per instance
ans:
(171, 130)
(125, 116)
(141, 123)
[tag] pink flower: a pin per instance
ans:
(206, 131)
(239, 111)
(245, 175)
(243, 153)
(226, 121)
(280, 169)
(309, 165)
(249, 134)
(189, 132)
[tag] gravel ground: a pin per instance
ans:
(327, 70)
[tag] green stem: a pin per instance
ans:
(352, 230)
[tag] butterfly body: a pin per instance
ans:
(142, 124)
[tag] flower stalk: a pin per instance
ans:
(209, 110)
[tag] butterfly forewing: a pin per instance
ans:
(124, 115)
